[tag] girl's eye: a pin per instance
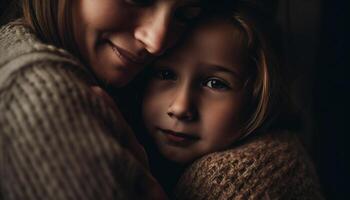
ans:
(216, 84)
(165, 74)
(187, 14)
(139, 2)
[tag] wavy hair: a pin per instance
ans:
(268, 100)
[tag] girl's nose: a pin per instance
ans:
(182, 107)
(152, 31)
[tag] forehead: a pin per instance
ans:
(214, 40)
(213, 33)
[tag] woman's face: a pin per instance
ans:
(195, 97)
(118, 37)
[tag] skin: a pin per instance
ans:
(195, 98)
(117, 38)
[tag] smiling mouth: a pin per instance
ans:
(178, 138)
(127, 57)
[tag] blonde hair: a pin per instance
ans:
(52, 21)
(264, 79)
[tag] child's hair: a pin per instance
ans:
(257, 35)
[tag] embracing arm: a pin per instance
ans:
(59, 141)
(273, 166)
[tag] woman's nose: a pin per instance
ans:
(153, 30)
(182, 107)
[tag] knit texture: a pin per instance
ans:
(274, 166)
(58, 141)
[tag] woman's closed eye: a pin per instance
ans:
(188, 13)
(139, 2)
(183, 14)
(216, 84)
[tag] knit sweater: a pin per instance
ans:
(58, 141)
(273, 166)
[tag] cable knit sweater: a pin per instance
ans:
(58, 141)
(273, 166)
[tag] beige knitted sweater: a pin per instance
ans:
(58, 141)
(273, 166)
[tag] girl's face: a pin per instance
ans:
(195, 97)
(118, 37)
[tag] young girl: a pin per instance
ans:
(212, 90)
(59, 139)
(219, 90)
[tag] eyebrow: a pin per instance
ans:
(222, 69)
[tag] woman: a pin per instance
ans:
(59, 139)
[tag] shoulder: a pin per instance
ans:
(274, 165)
(37, 76)
(21, 49)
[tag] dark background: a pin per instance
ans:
(331, 100)
(316, 42)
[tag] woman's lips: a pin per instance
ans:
(127, 57)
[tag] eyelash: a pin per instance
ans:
(139, 2)
(212, 83)
(187, 14)
(164, 74)
(183, 14)
(222, 85)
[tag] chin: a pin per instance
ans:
(176, 157)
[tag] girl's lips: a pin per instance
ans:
(178, 138)
(127, 57)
